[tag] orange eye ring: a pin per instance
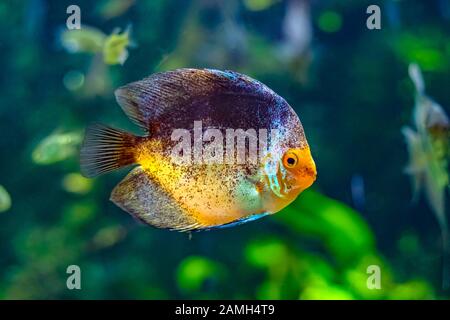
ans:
(290, 159)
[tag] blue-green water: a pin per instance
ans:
(349, 86)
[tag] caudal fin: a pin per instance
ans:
(105, 149)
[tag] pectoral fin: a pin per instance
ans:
(143, 198)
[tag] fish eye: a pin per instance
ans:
(290, 160)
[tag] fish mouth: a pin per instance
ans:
(286, 182)
(310, 172)
(306, 175)
(309, 179)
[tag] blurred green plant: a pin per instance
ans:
(349, 250)
(429, 49)
(56, 147)
(194, 272)
(259, 5)
(330, 21)
(5, 199)
(290, 270)
(93, 41)
(75, 183)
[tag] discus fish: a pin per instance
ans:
(197, 193)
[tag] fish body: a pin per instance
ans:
(428, 147)
(210, 181)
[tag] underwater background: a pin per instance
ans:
(349, 85)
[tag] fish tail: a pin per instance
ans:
(105, 149)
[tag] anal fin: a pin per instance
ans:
(235, 223)
(143, 198)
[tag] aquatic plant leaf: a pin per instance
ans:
(341, 228)
(326, 292)
(115, 47)
(76, 183)
(79, 213)
(195, 270)
(330, 21)
(56, 147)
(84, 40)
(412, 290)
(108, 236)
(98, 82)
(109, 9)
(266, 253)
(259, 5)
(270, 290)
(427, 49)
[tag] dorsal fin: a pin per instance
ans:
(161, 94)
